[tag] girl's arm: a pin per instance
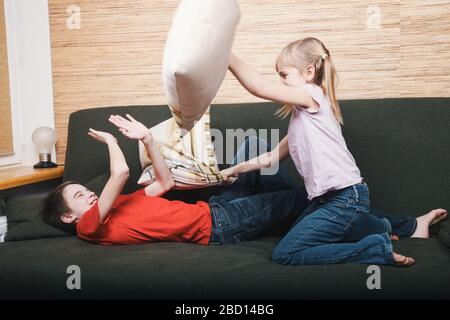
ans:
(133, 129)
(265, 160)
(269, 90)
(119, 172)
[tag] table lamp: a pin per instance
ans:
(44, 139)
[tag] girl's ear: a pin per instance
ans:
(67, 218)
(309, 73)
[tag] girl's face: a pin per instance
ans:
(292, 77)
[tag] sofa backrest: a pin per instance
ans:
(401, 146)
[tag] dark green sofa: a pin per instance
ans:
(402, 147)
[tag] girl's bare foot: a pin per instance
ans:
(427, 220)
(402, 261)
(439, 215)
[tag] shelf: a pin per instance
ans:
(17, 176)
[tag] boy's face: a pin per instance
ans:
(79, 200)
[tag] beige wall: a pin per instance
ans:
(6, 141)
(115, 57)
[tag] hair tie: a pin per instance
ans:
(324, 56)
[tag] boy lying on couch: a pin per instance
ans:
(251, 205)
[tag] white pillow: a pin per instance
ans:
(196, 56)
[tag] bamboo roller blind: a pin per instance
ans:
(391, 49)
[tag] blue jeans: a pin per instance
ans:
(402, 226)
(254, 203)
(336, 228)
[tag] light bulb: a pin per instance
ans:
(44, 139)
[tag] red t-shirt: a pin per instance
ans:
(138, 218)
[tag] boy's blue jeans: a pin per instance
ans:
(255, 203)
(340, 227)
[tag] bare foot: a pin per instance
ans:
(440, 214)
(427, 220)
(402, 261)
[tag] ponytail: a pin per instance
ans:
(329, 84)
(284, 111)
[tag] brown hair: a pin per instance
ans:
(54, 206)
(301, 53)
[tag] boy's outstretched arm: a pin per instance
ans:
(133, 129)
(119, 172)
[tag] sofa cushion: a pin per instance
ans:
(24, 220)
(196, 56)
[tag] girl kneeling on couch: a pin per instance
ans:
(338, 226)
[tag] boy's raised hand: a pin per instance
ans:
(130, 128)
(101, 136)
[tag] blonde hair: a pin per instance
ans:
(311, 51)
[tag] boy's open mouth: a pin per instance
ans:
(93, 200)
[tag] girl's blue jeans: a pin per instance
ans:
(341, 227)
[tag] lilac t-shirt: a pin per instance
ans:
(318, 149)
